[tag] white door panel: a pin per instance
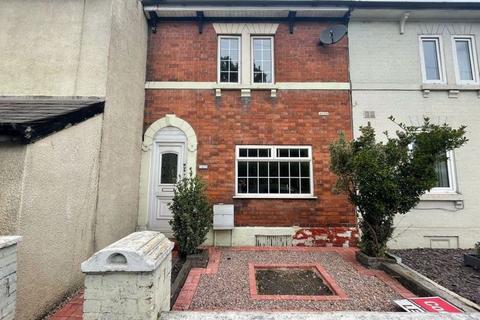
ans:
(169, 161)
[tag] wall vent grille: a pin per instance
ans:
(273, 240)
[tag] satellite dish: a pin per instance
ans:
(333, 34)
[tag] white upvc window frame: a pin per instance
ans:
(440, 59)
(274, 158)
(452, 181)
(272, 55)
(225, 36)
(473, 59)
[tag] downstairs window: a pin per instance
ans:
(274, 171)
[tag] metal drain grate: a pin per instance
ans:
(273, 240)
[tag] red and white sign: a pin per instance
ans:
(427, 304)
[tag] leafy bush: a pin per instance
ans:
(383, 179)
(192, 214)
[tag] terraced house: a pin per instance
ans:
(248, 97)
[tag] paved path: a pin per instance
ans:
(195, 315)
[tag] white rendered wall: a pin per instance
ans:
(386, 78)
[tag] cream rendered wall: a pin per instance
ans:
(71, 48)
(53, 185)
(386, 78)
(123, 124)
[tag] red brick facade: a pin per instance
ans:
(177, 52)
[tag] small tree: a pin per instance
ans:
(383, 179)
(192, 214)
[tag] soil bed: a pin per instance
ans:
(286, 281)
(444, 266)
(177, 264)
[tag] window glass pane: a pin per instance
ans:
(432, 68)
(464, 61)
(265, 153)
(441, 168)
(305, 169)
(242, 185)
(282, 153)
(252, 185)
(273, 169)
(294, 153)
(263, 185)
(294, 169)
(304, 153)
(263, 169)
(229, 59)
(295, 185)
(252, 169)
(169, 168)
(273, 185)
(253, 153)
(262, 60)
(243, 152)
(242, 169)
(284, 185)
(305, 186)
(284, 169)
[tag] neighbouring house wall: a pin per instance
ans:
(12, 160)
(386, 78)
(123, 118)
(56, 214)
(291, 118)
(74, 48)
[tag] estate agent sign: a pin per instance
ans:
(427, 304)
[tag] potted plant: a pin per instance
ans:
(192, 219)
(385, 178)
(473, 260)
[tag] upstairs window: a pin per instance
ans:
(229, 52)
(274, 171)
(432, 61)
(262, 59)
(465, 60)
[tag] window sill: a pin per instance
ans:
(245, 89)
(445, 196)
(453, 90)
(279, 197)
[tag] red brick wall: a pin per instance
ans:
(179, 53)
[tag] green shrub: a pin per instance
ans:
(383, 179)
(192, 214)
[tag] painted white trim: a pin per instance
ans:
(440, 58)
(452, 179)
(473, 59)
(272, 58)
(247, 28)
(170, 120)
(273, 157)
(240, 49)
(193, 85)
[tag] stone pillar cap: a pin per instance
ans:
(7, 241)
(138, 252)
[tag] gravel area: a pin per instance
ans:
(228, 289)
(444, 266)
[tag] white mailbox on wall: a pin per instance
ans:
(223, 217)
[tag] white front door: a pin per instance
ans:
(169, 160)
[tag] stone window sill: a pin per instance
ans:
(245, 89)
(447, 196)
(267, 197)
(453, 90)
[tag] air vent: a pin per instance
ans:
(273, 240)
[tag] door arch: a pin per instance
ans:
(164, 138)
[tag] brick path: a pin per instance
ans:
(73, 310)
